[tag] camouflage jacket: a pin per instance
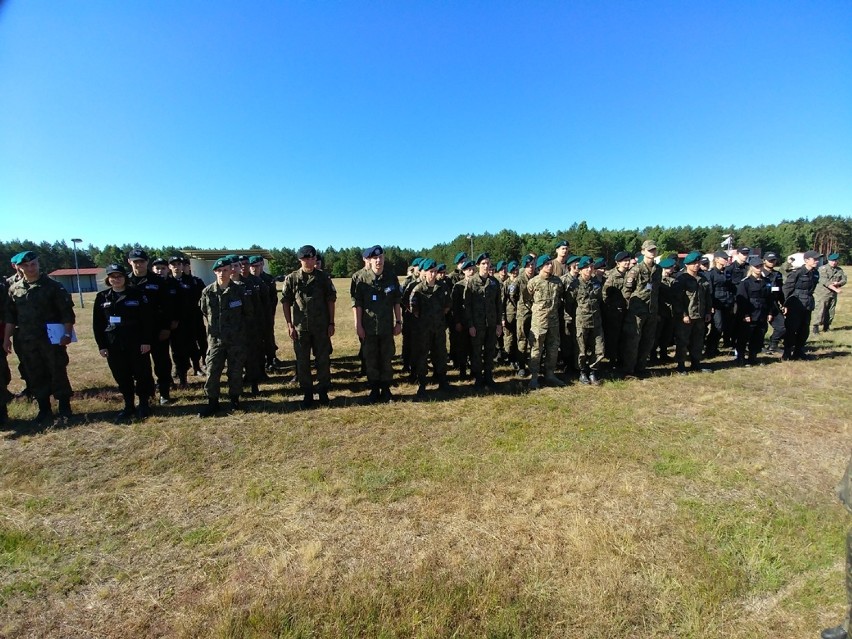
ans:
(482, 302)
(588, 302)
(376, 296)
(308, 295)
(642, 288)
(547, 294)
(228, 312)
(32, 305)
(429, 304)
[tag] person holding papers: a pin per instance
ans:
(40, 316)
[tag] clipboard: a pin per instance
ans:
(55, 333)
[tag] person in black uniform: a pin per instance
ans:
(722, 292)
(157, 290)
(185, 351)
(255, 363)
(124, 331)
(774, 282)
(798, 292)
(197, 332)
(270, 347)
(756, 307)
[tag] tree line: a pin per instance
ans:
(826, 234)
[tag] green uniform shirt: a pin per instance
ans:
(829, 275)
(376, 295)
(32, 305)
(588, 300)
(227, 310)
(308, 295)
(642, 288)
(690, 297)
(547, 294)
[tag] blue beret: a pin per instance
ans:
(416, 261)
(373, 251)
(441, 268)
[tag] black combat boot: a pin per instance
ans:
(144, 409)
(308, 400)
(128, 410)
(478, 382)
(584, 378)
(254, 389)
(4, 414)
(235, 402)
(443, 384)
(373, 397)
(45, 412)
(323, 397)
(594, 379)
(834, 633)
(489, 380)
(421, 390)
(385, 396)
(64, 408)
(211, 409)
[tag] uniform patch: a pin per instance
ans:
(132, 303)
(235, 304)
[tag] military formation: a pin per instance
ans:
(551, 318)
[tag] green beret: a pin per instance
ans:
(584, 261)
(572, 258)
(25, 256)
(525, 261)
(426, 263)
(441, 268)
(481, 257)
(416, 261)
(542, 260)
(512, 266)
(834, 256)
(222, 261)
(460, 257)
(693, 257)
(468, 264)
(14, 258)
(600, 262)
(561, 243)
(255, 259)
(500, 265)
(667, 263)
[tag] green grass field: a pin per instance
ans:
(696, 507)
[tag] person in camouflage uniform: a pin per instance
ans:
(615, 306)
(256, 296)
(568, 337)
(308, 300)
(229, 315)
(429, 303)
(409, 322)
(547, 292)
(35, 301)
(459, 336)
(641, 288)
(587, 295)
(510, 313)
(691, 303)
(483, 318)
(270, 304)
(844, 493)
(665, 322)
(5, 373)
(522, 301)
(378, 320)
(831, 280)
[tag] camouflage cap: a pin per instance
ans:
(649, 245)
(622, 255)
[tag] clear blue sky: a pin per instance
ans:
(402, 122)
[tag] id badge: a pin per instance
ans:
(114, 319)
(649, 287)
(375, 297)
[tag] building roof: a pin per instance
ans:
(73, 271)
(196, 254)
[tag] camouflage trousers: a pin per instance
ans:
(544, 350)
(5, 379)
(219, 353)
(823, 314)
(637, 340)
(690, 341)
(510, 340)
(483, 348)
(46, 366)
(522, 335)
(590, 348)
(378, 358)
(613, 326)
(426, 344)
(319, 343)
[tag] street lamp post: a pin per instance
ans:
(470, 237)
(77, 268)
